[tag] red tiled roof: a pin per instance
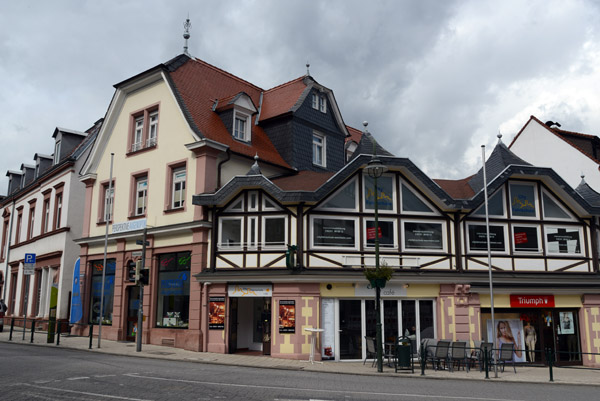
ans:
(281, 99)
(355, 134)
(199, 84)
(458, 189)
(303, 181)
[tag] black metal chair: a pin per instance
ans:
(506, 355)
(371, 350)
(441, 354)
(458, 355)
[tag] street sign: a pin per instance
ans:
(29, 264)
(129, 226)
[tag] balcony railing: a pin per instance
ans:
(136, 146)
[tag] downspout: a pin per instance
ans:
(205, 317)
(457, 242)
(228, 153)
(213, 243)
(593, 228)
(8, 243)
(300, 236)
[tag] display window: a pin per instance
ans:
(477, 237)
(420, 235)
(333, 232)
(97, 266)
(173, 302)
(563, 240)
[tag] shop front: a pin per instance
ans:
(535, 323)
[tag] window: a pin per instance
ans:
(523, 200)
(318, 150)
(13, 291)
(56, 152)
(141, 195)
(387, 228)
(31, 224)
(173, 303)
(58, 210)
(96, 294)
(563, 240)
(552, 210)
(319, 102)
(143, 129)
(333, 232)
(4, 237)
(274, 230)
(178, 195)
(343, 199)
(231, 232)
(420, 235)
(108, 200)
(253, 201)
(525, 238)
(495, 205)
(412, 203)
(385, 193)
(237, 205)
(38, 292)
(19, 225)
(315, 101)
(269, 205)
(46, 216)
(252, 232)
(478, 238)
(241, 129)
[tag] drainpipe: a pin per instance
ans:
(228, 153)
(8, 243)
(205, 317)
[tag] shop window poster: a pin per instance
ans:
(216, 310)
(522, 200)
(567, 325)
(478, 238)
(508, 331)
(287, 316)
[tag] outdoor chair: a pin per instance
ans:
(427, 353)
(506, 355)
(441, 354)
(371, 350)
(458, 355)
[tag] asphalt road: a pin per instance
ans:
(42, 373)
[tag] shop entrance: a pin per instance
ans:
(250, 324)
(133, 303)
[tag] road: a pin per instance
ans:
(44, 373)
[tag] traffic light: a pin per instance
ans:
(138, 268)
(144, 276)
(131, 271)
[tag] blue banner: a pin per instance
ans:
(76, 307)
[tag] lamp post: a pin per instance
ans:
(375, 169)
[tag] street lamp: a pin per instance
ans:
(375, 169)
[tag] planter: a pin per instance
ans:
(378, 282)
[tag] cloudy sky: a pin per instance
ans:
(435, 79)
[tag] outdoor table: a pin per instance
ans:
(313, 335)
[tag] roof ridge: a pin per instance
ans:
(217, 69)
(575, 133)
(285, 84)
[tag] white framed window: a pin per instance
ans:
(269, 205)
(315, 101)
(274, 231)
(58, 210)
(526, 238)
(387, 233)
(241, 126)
(477, 238)
(386, 193)
(552, 209)
(322, 104)
(329, 232)
(495, 205)
(319, 154)
(56, 152)
(138, 134)
(236, 206)
(141, 195)
(413, 203)
(152, 129)
(523, 200)
(46, 215)
(252, 232)
(424, 235)
(178, 190)
(109, 197)
(563, 240)
(230, 232)
(344, 199)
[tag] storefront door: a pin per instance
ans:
(233, 325)
(133, 302)
(350, 329)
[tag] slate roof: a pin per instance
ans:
(592, 197)
(365, 146)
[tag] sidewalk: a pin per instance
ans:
(525, 374)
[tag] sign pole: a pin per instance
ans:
(107, 219)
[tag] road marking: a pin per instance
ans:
(84, 393)
(78, 378)
(445, 397)
(104, 375)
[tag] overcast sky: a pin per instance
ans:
(434, 79)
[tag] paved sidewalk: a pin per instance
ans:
(525, 374)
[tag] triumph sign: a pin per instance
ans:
(531, 301)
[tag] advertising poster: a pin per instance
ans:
(508, 331)
(328, 325)
(287, 316)
(566, 323)
(216, 310)
(423, 236)
(478, 238)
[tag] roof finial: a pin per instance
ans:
(499, 136)
(256, 157)
(307, 68)
(186, 34)
(365, 124)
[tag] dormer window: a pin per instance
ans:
(318, 149)
(56, 152)
(241, 129)
(319, 102)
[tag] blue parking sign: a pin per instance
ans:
(29, 264)
(30, 258)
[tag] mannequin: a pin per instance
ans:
(530, 340)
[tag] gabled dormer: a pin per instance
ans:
(236, 113)
(66, 141)
(14, 181)
(28, 175)
(42, 163)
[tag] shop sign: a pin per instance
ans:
(531, 301)
(390, 290)
(255, 290)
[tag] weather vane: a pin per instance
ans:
(186, 34)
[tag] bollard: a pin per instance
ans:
(550, 359)
(24, 328)
(91, 335)
(32, 331)
(423, 360)
(58, 333)
(12, 327)
(486, 363)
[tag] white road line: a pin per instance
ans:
(84, 392)
(77, 378)
(445, 397)
(104, 375)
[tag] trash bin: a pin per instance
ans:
(404, 354)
